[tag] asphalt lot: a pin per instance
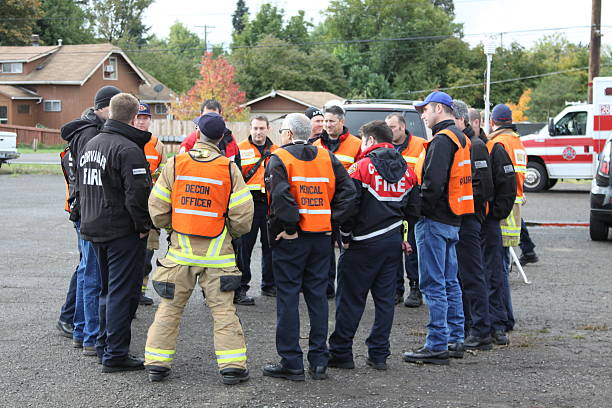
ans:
(560, 353)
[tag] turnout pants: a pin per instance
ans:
(301, 263)
(121, 266)
(248, 243)
(174, 283)
(411, 263)
(494, 272)
(366, 267)
(438, 282)
(472, 277)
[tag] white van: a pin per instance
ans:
(568, 147)
(8, 147)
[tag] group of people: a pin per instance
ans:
(445, 211)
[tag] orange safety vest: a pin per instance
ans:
(249, 157)
(152, 155)
(313, 184)
(460, 193)
(66, 204)
(200, 195)
(347, 151)
(414, 149)
(518, 155)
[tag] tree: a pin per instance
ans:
(519, 110)
(296, 30)
(17, 20)
(446, 5)
(217, 82)
(267, 21)
(552, 93)
(65, 20)
(120, 19)
(240, 16)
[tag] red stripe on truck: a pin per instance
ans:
(602, 122)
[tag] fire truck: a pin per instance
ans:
(569, 146)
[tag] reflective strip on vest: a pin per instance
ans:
(152, 157)
(345, 158)
(511, 229)
(196, 212)
(464, 162)
(410, 159)
(246, 162)
(307, 211)
(162, 193)
(254, 187)
(378, 232)
(228, 356)
(159, 354)
(200, 179)
(181, 258)
(240, 197)
(519, 168)
(143, 288)
(310, 179)
(468, 197)
(214, 248)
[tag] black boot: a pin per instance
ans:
(157, 373)
(145, 300)
(500, 338)
(415, 298)
(278, 371)
(232, 376)
(424, 355)
(529, 257)
(241, 298)
(478, 343)
(455, 350)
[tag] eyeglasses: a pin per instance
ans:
(280, 131)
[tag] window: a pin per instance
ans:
(160, 109)
(3, 114)
(53, 106)
(109, 70)
(12, 68)
(23, 108)
(574, 123)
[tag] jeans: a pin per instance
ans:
(86, 320)
(438, 282)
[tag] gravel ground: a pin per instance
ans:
(560, 353)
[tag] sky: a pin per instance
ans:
(480, 18)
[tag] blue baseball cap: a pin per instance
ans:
(501, 113)
(144, 109)
(212, 125)
(436, 96)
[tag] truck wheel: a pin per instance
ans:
(597, 229)
(536, 177)
(551, 183)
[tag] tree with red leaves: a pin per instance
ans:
(218, 83)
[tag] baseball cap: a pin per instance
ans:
(436, 96)
(312, 112)
(501, 113)
(144, 109)
(211, 125)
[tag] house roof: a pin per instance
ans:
(149, 94)
(65, 65)
(24, 54)
(17, 92)
(306, 98)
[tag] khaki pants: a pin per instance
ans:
(175, 283)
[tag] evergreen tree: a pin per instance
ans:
(240, 16)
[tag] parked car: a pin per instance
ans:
(8, 147)
(362, 111)
(601, 197)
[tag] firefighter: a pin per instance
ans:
(373, 241)
(410, 147)
(154, 153)
(317, 120)
(255, 152)
(446, 193)
(337, 139)
(469, 249)
(202, 197)
(309, 190)
(505, 133)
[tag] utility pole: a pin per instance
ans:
(595, 46)
(205, 27)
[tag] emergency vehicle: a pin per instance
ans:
(569, 146)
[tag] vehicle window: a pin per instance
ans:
(356, 118)
(574, 123)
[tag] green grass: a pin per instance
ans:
(41, 149)
(16, 169)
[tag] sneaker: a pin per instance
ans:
(157, 373)
(241, 298)
(145, 300)
(527, 258)
(232, 376)
(128, 363)
(269, 292)
(415, 298)
(478, 343)
(426, 356)
(500, 338)
(89, 351)
(455, 350)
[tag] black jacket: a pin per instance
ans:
(284, 214)
(482, 179)
(77, 133)
(504, 181)
(114, 183)
(436, 172)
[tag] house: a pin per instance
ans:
(51, 85)
(277, 104)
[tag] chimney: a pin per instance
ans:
(35, 40)
(59, 42)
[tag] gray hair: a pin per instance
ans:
(299, 124)
(460, 110)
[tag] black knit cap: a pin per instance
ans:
(104, 95)
(312, 112)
